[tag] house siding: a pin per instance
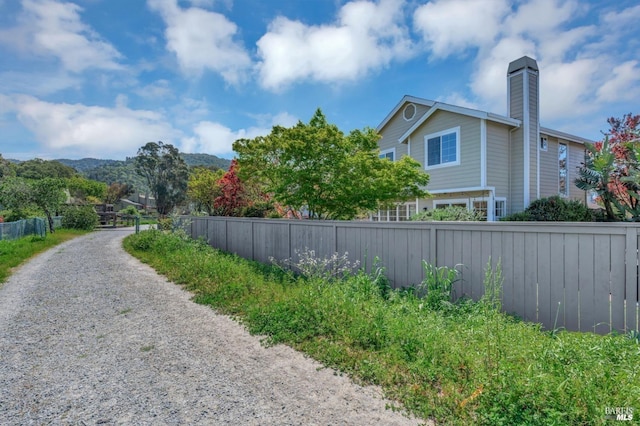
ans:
(515, 201)
(465, 175)
(396, 127)
(549, 168)
(498, 158)
(575, 158)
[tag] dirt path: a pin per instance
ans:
(89, 335)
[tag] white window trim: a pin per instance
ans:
(544, 147)
(386, 151)
(455, 130)
(449, 201)
(415, 111)
(567, 167)
(495, 200)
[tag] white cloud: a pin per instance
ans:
(217, 139)
(53, 29)
(451, 26)
(203, 40)
(81, 130)
(38, 83)
(159, 89)
(583, 68)
(366, 36)
(623, 85)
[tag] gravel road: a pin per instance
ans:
(89, 335)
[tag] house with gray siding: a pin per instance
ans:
(480, 160)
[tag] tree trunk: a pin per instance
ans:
(50, 220)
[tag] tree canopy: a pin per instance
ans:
(165, 172)
(611, 169)
(317, 168)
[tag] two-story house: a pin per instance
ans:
(481, 160)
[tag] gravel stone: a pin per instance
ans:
(91, 336)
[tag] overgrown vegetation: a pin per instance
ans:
(15, 252)
(464, 363)
(79, 217)
(554, 209)
(449, 213)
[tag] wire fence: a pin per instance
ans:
(25, 227)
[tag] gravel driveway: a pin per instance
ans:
(89, 335)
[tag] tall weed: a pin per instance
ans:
(471, 364)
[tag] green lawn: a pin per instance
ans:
(457, 364)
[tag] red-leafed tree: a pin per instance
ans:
(233, 198)
(612, 169)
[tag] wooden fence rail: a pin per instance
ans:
(585, 273)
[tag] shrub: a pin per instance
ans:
(449, 213)
(130, 210)
(554, 209)
(79, 217)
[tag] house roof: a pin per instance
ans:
(439, 106)
(563, 135)
(470, 112)
(405, 99)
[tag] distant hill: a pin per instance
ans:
(86, 163)
(110, 171)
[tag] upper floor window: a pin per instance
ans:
(388, 153)
(443, 148)
(563, 188)
(544, 144)
(409, 112)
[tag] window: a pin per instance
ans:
(501, 209)
(399, 212)
(563, 188)
(442, 148)
(388, 153)
(409, 112)
(441, 204)
(544, 144)
(481, 207)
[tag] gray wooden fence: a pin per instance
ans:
(586, 274)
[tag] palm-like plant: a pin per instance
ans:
(597, 174)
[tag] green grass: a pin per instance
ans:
(456, 364)
(15, 252)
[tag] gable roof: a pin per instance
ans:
(441, 106)
(405, 99)
(469, 112)
(563, 135)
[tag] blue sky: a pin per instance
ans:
(100, 78)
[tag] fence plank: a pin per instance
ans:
(601, 284)
(571, 281)
(557, 281)
(585, 277)
(617, 281)
(507, 272)
(544, 279)
(531, 277)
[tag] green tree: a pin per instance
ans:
(612, 169)
(84, 188)
(39, 169)
(165, 172)
(15, 195)
(7, 169)
(48, 195)
(316, 167)
(116, 191)
(203, 188)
